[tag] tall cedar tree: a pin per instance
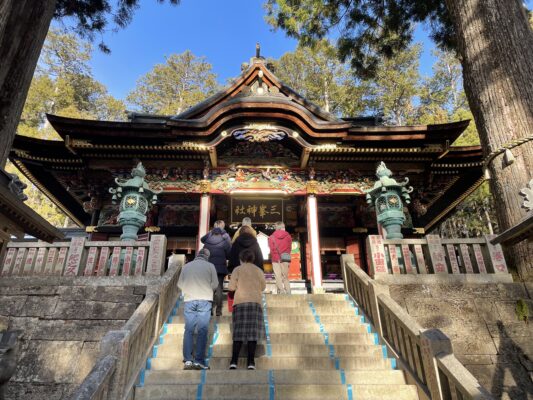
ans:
(317, 74)
(63, 84)
(170, 88)
(23, 28)
(493, 39)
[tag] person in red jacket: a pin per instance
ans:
(280, 243)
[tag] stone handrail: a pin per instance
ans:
(80, 257)
(424, 354)
(131, 345)
(96, 384)
(433, 255)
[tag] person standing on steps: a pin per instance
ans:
(218, 242)
(246, 221)
(248, 283)
(280, 243)
(197, 281)
(245, 240)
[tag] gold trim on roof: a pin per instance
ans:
(26, 155)
(333, 148)
(146, 156)
(458, 165)
(372, 158)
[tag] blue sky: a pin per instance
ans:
(225, 32)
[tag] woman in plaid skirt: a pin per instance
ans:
(248, 283)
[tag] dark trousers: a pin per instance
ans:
(219, 293)
(237, 344)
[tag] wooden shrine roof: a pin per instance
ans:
(256, 101)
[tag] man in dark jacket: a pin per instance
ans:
(245, 240)
(218, 242)
(280, 242)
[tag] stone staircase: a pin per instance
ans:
(318, 347)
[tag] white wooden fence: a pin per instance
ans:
(433, 255)
(80, 257)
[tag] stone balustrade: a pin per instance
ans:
(425, 354)
(434, 255)
(80, 257)
(123, 352)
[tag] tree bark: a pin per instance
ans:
(23, 28)
(495, 43)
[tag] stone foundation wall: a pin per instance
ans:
(63, 321)
(481, 322)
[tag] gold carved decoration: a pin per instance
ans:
(312, 187)
(152, 229)
(205, 186)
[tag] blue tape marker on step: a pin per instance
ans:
(376, 338)
(343, 377)
(384, 350)
(149, 363)
(267, 329)
(141, 378)
(393, 363)
(271, 387)
(349, 392)
(154, 351)
(199, 391)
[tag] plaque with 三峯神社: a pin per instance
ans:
(260, 211)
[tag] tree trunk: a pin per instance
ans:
(23, 28)
(495, 43)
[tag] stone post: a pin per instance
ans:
(436, 254)
(314, 241)
(157, 255)
(376, 256)
(374, 290)
(497, 258)
(116, 344)
(75, 256)
(433, 342)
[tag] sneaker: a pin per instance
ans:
(233, 366)
(219, 313)
(200, 366)
(188, 365)
(251, 366)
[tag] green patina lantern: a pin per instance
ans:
(388, 196)
(136, 198)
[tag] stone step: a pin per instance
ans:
(279, 350)
(282, 376)
(307, 297)
(291, 318)
(281, 392)
(287, 327)
(328, 310)
(294, 309)
(288, 338)
(305, 305)
(301, 363)
(286, 311)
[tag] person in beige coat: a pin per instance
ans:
(248, 283)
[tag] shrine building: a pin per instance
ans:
(256, 149)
